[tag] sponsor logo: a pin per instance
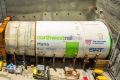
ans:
(96, 49)
(99, 42)
(89, 42)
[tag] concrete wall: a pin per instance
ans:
(50, 9)
(2, 10)
(0, 15)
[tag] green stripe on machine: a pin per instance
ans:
(110, 49)
(72, 49)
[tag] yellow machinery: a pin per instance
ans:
(102, 78)
(97, 71)
(99, 74)
(1, 65)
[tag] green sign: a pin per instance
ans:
(72, 49)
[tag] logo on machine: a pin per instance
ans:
(88, 42)
(96, 49)
(48, 37)
(99, 41)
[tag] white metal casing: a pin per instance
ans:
(58, 38)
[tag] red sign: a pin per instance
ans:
(88, 42)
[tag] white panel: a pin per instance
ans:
(19, 37)
(96, 38)
(56, 29)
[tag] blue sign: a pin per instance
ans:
(96, 49)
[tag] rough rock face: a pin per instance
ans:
(111, 16)
(111, 11)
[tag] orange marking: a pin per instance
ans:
(2, 30)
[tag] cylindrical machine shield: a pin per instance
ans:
(58, 38)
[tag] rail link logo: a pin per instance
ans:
(57, 38)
